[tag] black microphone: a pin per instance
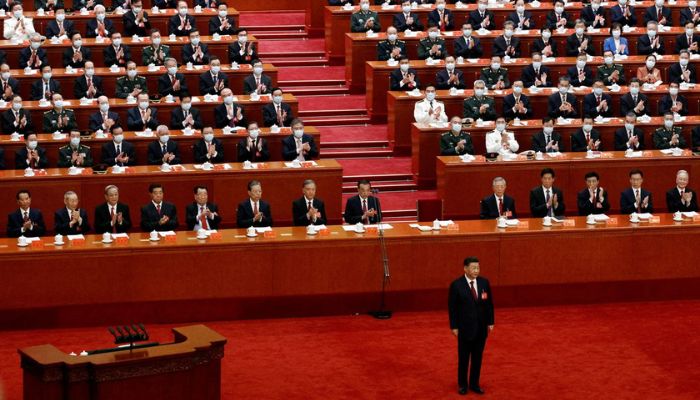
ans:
(121, 333)
(143, 328)
(140, 335)
(132, 335)
(111, 330)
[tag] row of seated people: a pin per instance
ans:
(135, 22)
(113, 215)
(53, 5)
(594, 15)
(297, 146)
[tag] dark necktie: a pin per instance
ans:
(500, 206)
(549, 208)
(364, 210)
(473, 290)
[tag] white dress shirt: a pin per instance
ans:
(422, 114)
(493, 143)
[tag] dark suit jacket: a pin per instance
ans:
(8, 122)
(200, 151)
(616, 15)
(538, 45)
(401, 25)
(244, 214)
(53, 30)
(188, 54)
(353, 209)
(666, 103)
(695, 138)
(68, 57)
(526, 15)
(109, 153)
(177, 116)
(539, 142)
(192, 210)
(15, 221)
(573, 44)
(92, 26)
(650, 14)
(62, 222)
(110, 56)
(289, 147)
(155, 152)
(475, 19)
(528, 75)
(682, 42)
(396, 77)
(165, 87)
(253, 156)
(270, 114)
(434, 19)
(644, 46)
(621, 139)
(538, 202)
(585, 207)
(26, 53)
(131, 28)
(588, 16)
(590, 103)
(249, 85)
(37, 91)
(80, 88)
(675, 72)
(578, 140)
(500, 46)
(627, 201)
(21, 158)
(489, 207)
(14, 85)
(174, 25)
(554, 102)
(215, 26)
(572, 72)
(551, 20)
(221, 118)
(462, 50)
(673, 201)
(509, 103)
(627, 104)
(206, 82)
(150, 217)
(103, 221)
(95, 122)
(234, 53)
(135, 123)
(686, 16)
(443, 76)
(300, 208)
(471, 317)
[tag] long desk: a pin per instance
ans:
(463, 185)
(230, 142)
(426, 140)
(252, 110)
(377, 80)
(54, 52)
(401, 106)
(109, 78)
(294, 274)
(359, 48)
(227, 188)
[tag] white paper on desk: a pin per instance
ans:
(384, 226)
(600, 217)
(512, 222)
(119, 235)
(74, 237)
(144, 134)
(666, 151)
(557, 220)
(166, 233)
(689, 214)
(554, 154)
(317, 228)
(472, 60)
(32, 239)
(634, 154)
(645, 215)
(424, 228)
(446, 223)
(291, 165)
(349, 228)
(263, 229)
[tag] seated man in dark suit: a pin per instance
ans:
(196, 52)
(636, 199)
(253, 148)
(652, 42)
(623, 14)
(298, 145)
(103, 119)
(16, 118)
(673, 102)
(404, 77)
(558, 18)
(309, 210)
(88, 85)
(9, 86)
(242, 51)
(593, 199)
(634, 101)
(172, 82)
(201, 214)
(45, 87)
(536, 74)
(25, 221)
(516, 104)
(71, 220)
(562, 104)
(163, 150)
(136, 21)
(498, 204)
(629, 137)
(580, 74)
(481, 17)
(441, 17)
(682, 71)
(99, 26)
(257, 82)
(76, 55)
(597, 103)
(143, 116)
(579, 42)
(185, 116)
(545, 44)
(112, 216)
(60, 26)
(659, 14)
(363, 207)
(213, 81)
(277, 112)
(688, 40)
(594, 15)
(507, 44)
(521, 18)
(181, 24)
(450, 77)
(208, 149)
(222, 23)
(162, 4)
(682, 198)
(117, 151)
(468, 46)
(33, 56)
(31, 155)
(116, 53)
(690, 13)
(407, 20)
(253, 211)
(586, 138)
(158, 215)
(547, 200)
(229, 113)
(547, 141)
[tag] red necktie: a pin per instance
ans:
(658, 15)
(111, 217)
(158, 209)
(471, 285)
(255, 208)
(202, 218)
(500, 206)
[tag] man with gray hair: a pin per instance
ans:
(479, 106)
(172, 82)
(308, 210)
(33, 56)
(112, 216)
(498, 204)
(71, 220)
(163, 150)
(682, 198)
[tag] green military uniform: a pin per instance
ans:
(473, 104)
(385, 47)
(491, 77)
(604, 72)
(358, 20)
(150, 54)
(125, 85)
(662, 137)
(51, 119)
(65, 155)
(426, 44)
(448, 144)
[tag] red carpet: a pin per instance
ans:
(353, 134)
(619, 351)
(310, 73)
(347, 102)
(291, 46)
(248, 18)
(376, 166)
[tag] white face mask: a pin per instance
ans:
(89, 71)
(131, 73)
(629, 127)
(616, 34)
(440, 7)
(404, 67)
(689, 31)
(392, 37)
(598, 91)
(253, 133)
(100, 17)
(156, 41)
(548, 130)
(595, 6)
(450, 66)
(5, 76)
(651, 33)
(650, 64)
(223, 13)
(587, 127)
(467, 32)
(683, 61)
(104, 107)
(172, 70)
(432, 34)
(622, 2)
(77, 43)
(536, 64)
(481, 7)
(579, 31)
(495, 66)
(668, 123)
(608, 60)
(32, 144)
(17, 14)
(60, 17)
(208, 137)
(228, 100)
(563, 89)
(478, 92)
(35, 45)
(58, 103)
(257, 70)
(430, 96)
(501, 127)
(298, 133)
(75, 141)
(634, 90)
(186, 106)
(118, 138)
(558, 9)
(508, 33)
(183, 12)
(457, 127)
(364, 6)
(16, 106)
(215, 69)
(143, 105)
(692, 4)
(673, 91)
(277, 99)
(659, 3)
(546, 35)
(517, 89)
(242, 39)
(136, 10)
(46, 75)
(580, 64)
(164, 139)
(195, 41)
(520, 9)
(406, 9)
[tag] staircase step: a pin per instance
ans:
(352, 179)
(359, 144)
(391, 186)
(271, 35)
(357, 153)
(295, 61)
(311, 84)
(331, 113)
(330, 90)
(337, 121)
(267, 28)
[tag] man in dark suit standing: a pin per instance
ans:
(498, 204)
(547, 200)
(25, 221)
(31, 155)
(636, 199)
(158, 215)
(208, 149)
(201, 214)
(253, 148)
(308, 210)
(682, 198)
(253, 211)
(299, 145)
(71, 220)
(103, 118)
(450, 77)
(593, 199)
(277, 112)
(16, 118)
(163, 150)
(363, 207)
(117, 151)
(112, 216)
(229, 113)
(470, 307)
(629, 137)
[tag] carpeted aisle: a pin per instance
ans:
(615, 351)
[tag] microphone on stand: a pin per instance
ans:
(386, 278)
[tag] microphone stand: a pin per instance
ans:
(386, 278)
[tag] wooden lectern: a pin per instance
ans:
(188, 368)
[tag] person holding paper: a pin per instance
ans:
(202, 214)
(362, 207)
(158, 215)
(547, 200)
(308, 210)
(636, 199)
(498, 204)
(593, 199)
(112, 216)
(71, 220)
(682, 198)
(25, 221)
(254, 211)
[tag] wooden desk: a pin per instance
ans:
(377, 80)
(227, 188)
(401, 105)
(109, 78)
(252, 109)
(230, 141)
(360, 49)
(55, 51)
(463, 185)
(298, 275)
(426, 140)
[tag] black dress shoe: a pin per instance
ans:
(477, 390)
(462, 391)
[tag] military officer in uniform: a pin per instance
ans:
(494, 76)
(456, 142)
(59, 118)
(365, 19)
(479, 105)
(74, 154)
(432, 46)
(392, 47)
(668, 136)
(156, 53)
(131, 84)
(611, 73)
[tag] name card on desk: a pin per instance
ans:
(523, 225)
(655, 220)
(569, 222)
(612, 221)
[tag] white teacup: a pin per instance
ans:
(634, 217)
(436, 225)
(677, 216)
(310, 230)
(590, 219)
(165, 167)
(29, 172)
(296, 163)
(106, 237)
(58, 239)
(251, 231)
(21, 241)
(207, 166)
(359, 227)
(153, 235)
(502, 223)
(547, 221)
(201, 234)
